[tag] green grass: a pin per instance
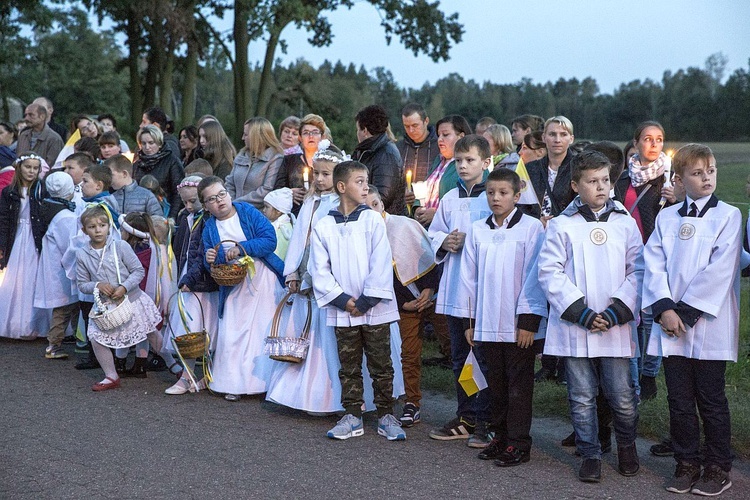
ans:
(550, 399)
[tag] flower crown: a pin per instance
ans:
(185, 184)
(325, 154)
(30, 156)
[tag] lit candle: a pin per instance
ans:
(408, 180)
(306, 178)
(129, 155)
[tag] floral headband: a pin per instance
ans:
(30, 156)
(185, 184)
(325, 154)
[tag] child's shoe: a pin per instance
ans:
(481, 437)
(106, 384)
(714, 481)
(410, 416)
(55, 352)
(138, 370)
(348, 426)
(685, 476)
(121, 366)
(493, 450)
(389, 427)
(512, 456)
(458, 428)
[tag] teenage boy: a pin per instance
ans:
(692, 287)
(458, 209)
(591, 269)
(499, 268)
(360, 300)
(129, 195)
(75, 165)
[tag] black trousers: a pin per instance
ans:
(510, 380)
(691, 383)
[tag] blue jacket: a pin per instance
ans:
(260, 243)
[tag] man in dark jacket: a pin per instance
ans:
(380, 155)
(419, 147)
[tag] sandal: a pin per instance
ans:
(101, 386)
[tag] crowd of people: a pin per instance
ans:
(508, 243)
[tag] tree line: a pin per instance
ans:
(56, 53)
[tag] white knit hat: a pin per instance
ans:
(281, 199)
(60, 185)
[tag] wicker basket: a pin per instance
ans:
(228, 274)
(288, 349)
(109, 319)
(192, 344)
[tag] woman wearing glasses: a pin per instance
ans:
(246, 309)
(256, 165)
(291, 174)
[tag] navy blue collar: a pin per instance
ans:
(711, 203)
(343, 219)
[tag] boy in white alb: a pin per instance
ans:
(499, 267)
(458, 209)
(692, 287)
(350, 266)
(591, 269)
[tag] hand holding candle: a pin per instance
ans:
(667, 176)
(306, 178)
(408, 180)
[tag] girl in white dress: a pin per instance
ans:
(109, 265)
(21, 233)
(246, 309)
(188, 249)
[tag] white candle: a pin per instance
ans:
(306, 178)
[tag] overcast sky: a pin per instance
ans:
(504, 41)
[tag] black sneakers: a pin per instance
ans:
(685, 476)
(714, 481)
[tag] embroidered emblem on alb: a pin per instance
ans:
(345, 231)
(598, 236)
(497, 238)
(687, 231)
(464, 207)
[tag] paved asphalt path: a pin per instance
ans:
(61, 440)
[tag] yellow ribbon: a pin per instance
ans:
(249, 264)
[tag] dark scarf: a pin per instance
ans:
(148, 162)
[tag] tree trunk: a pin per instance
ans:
(241, 68)
(152, 77)
(136, 89)
(187, 116)
(264, 91)
(165, 82)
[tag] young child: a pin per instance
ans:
(246, 309)
(277, 207)
(109, 145)
(109, 124)
(415, 279)
(21, 233)
(692, 288)
(499, 268)
(188, 249)
(458, 209)
(591, 269)
(150, 183)
(75, 165)
(129, 195)
(110, 265)
(54, 289)
(359, 299)
(95, 189)
(312, 386)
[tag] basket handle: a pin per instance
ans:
(216, 247)
(182, 311)
(274, 333)
(308, 321)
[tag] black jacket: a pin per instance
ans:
(419, 157)
(10, 209)
(383, 160)
(561, 194)
(169, 172)
(291, 175)
(188, 247)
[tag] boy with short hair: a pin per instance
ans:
(95, 188)
(129, 195)
(458, 209)
(591, 269)
(75, 165)
(360, 299)
(692, 288)
(499, 268)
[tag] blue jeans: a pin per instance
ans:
(649, 365)
(476, 407)
(585, 376)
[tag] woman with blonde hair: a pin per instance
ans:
(501, 145)
(156, 159)
(257, 164)
(217, 148)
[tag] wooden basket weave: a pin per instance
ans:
(192, 344)
(228, 274)
(109, 319)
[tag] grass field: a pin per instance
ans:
(550, 399)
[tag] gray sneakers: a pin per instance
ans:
(55, 352)
(390, 428)
(348, 426)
